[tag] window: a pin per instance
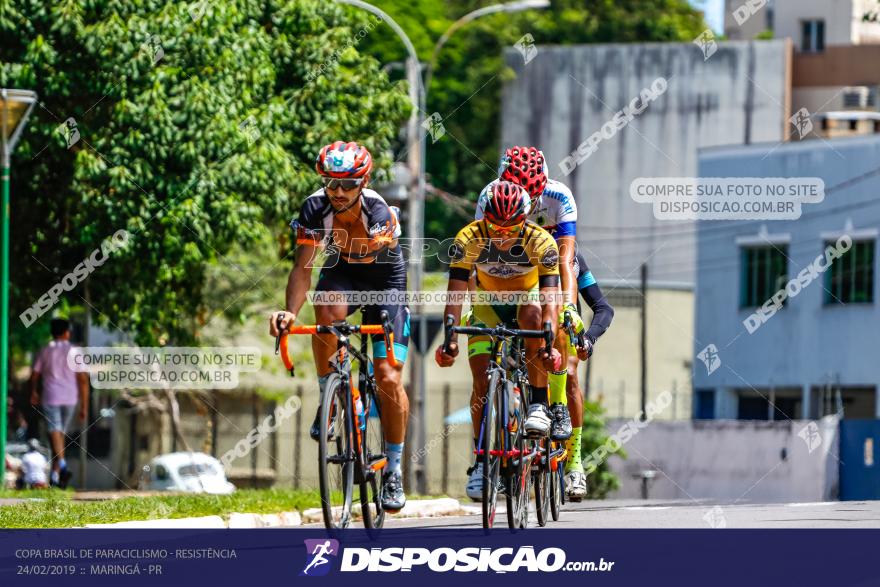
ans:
(813, 36)
(196, 470)
(850, 279)
(705, 404)
(764, 272)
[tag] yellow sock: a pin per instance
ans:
(573, 448)
(556, 385)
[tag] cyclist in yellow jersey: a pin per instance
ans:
(508, 254)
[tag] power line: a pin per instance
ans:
(657, 231)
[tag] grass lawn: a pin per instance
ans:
(56, 509)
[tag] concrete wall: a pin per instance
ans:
(806, 342)
(614, 374)
(730, 461)
(565, 94)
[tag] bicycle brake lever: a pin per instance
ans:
(278, 338)
(447, 339)
(548, 337)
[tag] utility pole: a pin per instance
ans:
(644, 340)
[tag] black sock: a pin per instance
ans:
(538, 395)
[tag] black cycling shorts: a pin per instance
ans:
(375, 287)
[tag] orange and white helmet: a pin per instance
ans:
(344, 161)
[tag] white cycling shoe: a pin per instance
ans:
(575, 485)
(539, 420)
(474, 487)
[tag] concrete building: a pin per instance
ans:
(744, 23)
(815, 355)
(812, 24)
(836, 43)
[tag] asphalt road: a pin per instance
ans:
(687, 514)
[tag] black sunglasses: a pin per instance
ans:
(346, 184)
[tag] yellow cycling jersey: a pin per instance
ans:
(532, 260)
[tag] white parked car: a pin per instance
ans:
(194, 472)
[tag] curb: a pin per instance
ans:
(419, 508)
(205, 522)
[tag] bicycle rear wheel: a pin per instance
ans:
(519, 484)
(336, 455)
(542, 481)
(373, 439)
(492, 442)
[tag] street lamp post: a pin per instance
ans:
(15, 107)
(508, 7)
(415, 201)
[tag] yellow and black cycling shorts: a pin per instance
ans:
(489, 316)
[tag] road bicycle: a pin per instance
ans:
(503, 448)
(351, 446)
(549, 469)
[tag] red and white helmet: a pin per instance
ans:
(508, 204)
(344, 160)
(525, 167)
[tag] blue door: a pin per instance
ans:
(859, 459)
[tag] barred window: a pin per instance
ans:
(850, 279)
(764, 272)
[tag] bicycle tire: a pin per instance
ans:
(373, 447)
(492, 441)
(520, 486)
(519, 481)
(542, 482)
(335, 454)
(557, 490)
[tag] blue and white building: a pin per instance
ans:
(820, 352)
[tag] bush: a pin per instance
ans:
(602, 481)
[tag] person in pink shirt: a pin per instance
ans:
(57, 397)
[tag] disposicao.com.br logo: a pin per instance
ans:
(464, 560)
(317, 553)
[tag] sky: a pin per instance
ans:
(714, 10)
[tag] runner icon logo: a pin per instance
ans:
(318, 552)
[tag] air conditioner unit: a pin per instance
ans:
(860, 97)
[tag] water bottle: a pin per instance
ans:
(359, 407)
(513, 406)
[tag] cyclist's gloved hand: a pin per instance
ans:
(446, 359)
(579, 327)
(586, 351)
(552, 361)
(286, 319)
(576, 320)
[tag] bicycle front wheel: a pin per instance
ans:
(336, 455)
(542, 481)
(557, 487)
(492, 443)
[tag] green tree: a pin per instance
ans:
(197, 127)
(466, 89)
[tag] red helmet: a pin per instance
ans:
(344, 160)
(525, 167)
(508, 204)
